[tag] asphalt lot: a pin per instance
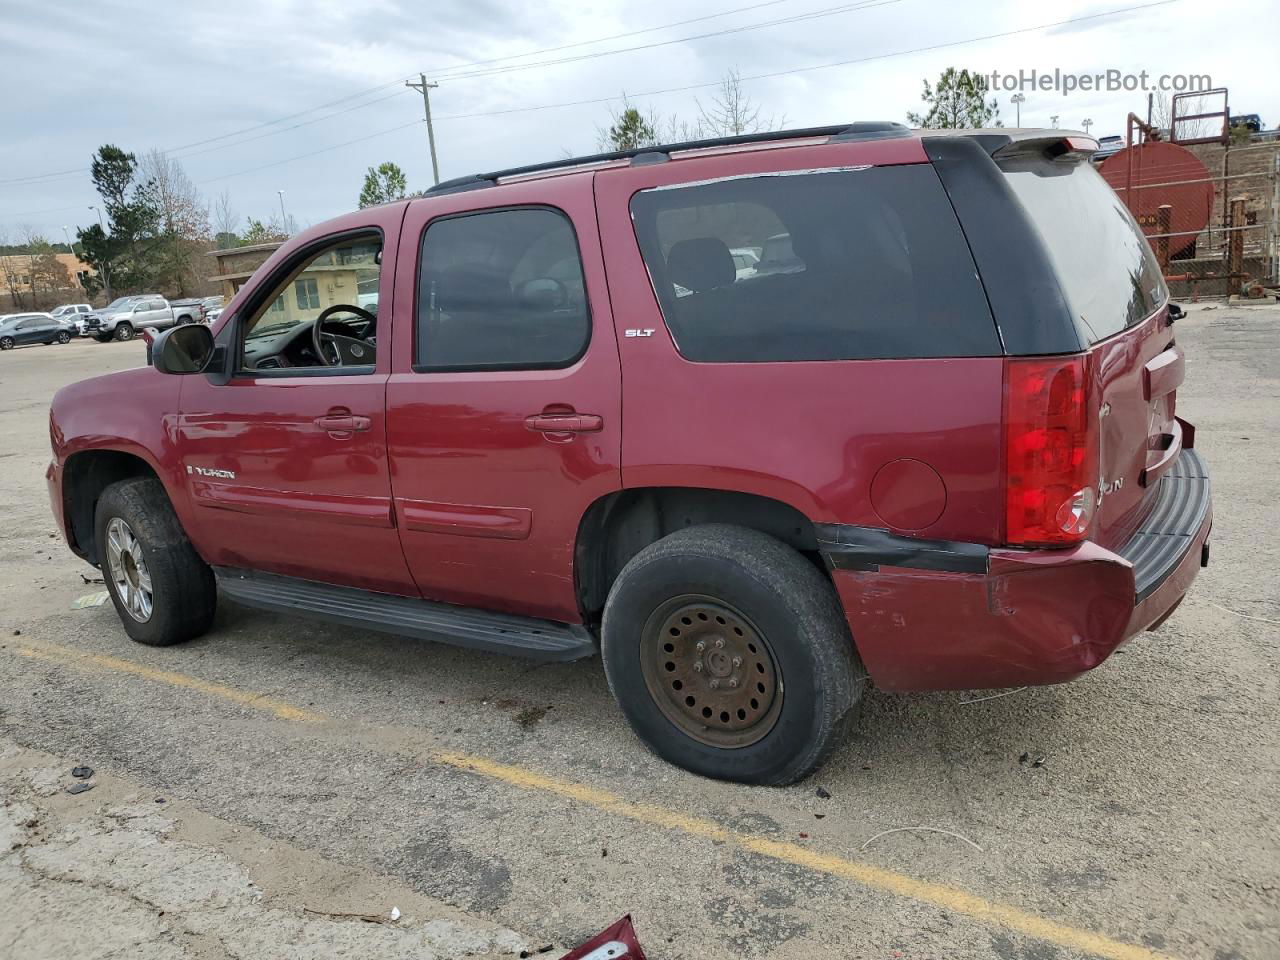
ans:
(1131, 814)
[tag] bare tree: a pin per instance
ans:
(183, 212)
(1162, 117)
(184, 221)
(226, 220)
(732, 112)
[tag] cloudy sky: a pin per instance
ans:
(257, 96)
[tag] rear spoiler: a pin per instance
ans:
(1064, 146)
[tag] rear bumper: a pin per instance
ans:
(958, 616)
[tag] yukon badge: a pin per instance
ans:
(211, 472)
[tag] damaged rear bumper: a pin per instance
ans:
(932, 615)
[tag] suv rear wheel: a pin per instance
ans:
(124, 331)
(163, 591)
(729, 654)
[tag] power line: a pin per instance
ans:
(58, 174)
(820, 66)
(304, 156)
(797, 18)
(444, 74)
(698, 86)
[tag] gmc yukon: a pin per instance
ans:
(936, 448)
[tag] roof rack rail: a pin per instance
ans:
(660, 153)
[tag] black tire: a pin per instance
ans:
(6, 343)
(64, 337)
(184, 593)
(124, 331)
(787, 601)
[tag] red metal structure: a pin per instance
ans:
(1153, 174)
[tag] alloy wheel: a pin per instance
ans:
(128, 569)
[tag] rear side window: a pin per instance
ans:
(501, 290)
(1106, 268)
(851, 264)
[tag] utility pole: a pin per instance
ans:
(431, 133)
(284, 218)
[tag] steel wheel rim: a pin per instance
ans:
(711, 672)
(128, 569)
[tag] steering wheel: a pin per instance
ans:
(346, 350)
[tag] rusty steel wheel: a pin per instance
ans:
(711, 672)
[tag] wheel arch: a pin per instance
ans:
(620, 524)
(85, 475)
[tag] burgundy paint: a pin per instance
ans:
(453, 453)
(1037, 617)
(462, 438)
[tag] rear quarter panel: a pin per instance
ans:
(811, 434)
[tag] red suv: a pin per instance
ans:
(923, 437)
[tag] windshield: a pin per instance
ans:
(119, 302)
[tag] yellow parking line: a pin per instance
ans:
(58, 654)
(865, 874)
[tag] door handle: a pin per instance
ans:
(334, 423)
(565, 423)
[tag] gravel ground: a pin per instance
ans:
(1129, 814)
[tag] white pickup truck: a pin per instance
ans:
(125, 316)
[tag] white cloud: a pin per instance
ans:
(153, 74)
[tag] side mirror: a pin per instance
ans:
(184, 349)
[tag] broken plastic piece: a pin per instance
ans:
(395, 914)
(616, 943)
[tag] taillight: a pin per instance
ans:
(1051, 451)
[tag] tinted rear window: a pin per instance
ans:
(1107, 270)
(854, 263)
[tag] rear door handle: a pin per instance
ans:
(565, 423)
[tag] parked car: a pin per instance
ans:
(17, 329)
(744, 261)
(937, 450)
(125, 316)
(212, 307)
(188, 310)
(1106, 147)
(74, 314)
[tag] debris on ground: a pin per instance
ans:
(618, 942)
(530, 716)
(90, 600)
(82, 773)
(91, 579)
(822, 793)
(949, 833)
(81, 787)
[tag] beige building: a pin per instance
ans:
(346, 274)
(25, 286)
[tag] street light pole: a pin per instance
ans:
(106, 264)
(1086, 123)
(1018, 99)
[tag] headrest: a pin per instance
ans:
(701, 263)
(470, 288)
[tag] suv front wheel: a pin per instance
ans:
(124, 331)
(730, 656)
(162, 590)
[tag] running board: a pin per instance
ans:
(408, 616)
